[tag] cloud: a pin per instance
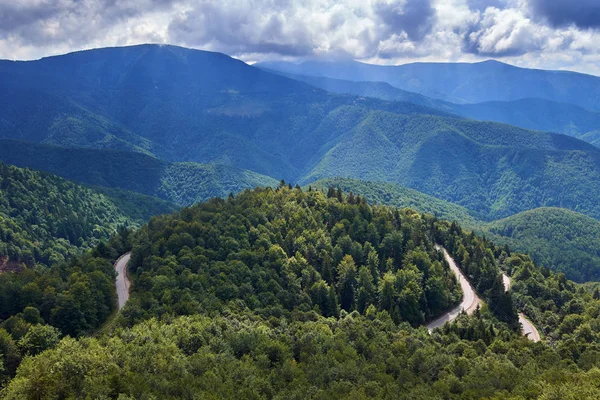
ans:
(413, 17)
(560, 13)
(47, 22)
(349, 28)
(503, 33)
(555, 33)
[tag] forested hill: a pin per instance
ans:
(556, 238)
(46, 219)
(179, 183)
(300, 294)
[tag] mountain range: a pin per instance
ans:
(529, 112)
(461, 83)
(187, 125)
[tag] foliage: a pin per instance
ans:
(559, 239)
(279, 252)
(178, 183)
(46, 219)
(291, 294)
(394, 195)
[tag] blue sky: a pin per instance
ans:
(551, 34)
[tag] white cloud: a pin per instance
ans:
(384, 31)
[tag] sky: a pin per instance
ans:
(549, 34)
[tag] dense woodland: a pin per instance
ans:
(556, 238)
(284, 293)
(45, 219)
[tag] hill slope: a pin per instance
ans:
(395, 195)
(45, 219)
(560, 239)
(492, 169)
(461, 82)
(180, 183)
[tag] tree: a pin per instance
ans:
(346, 272)
(39, 338)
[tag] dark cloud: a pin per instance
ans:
(247, 28)
(415, 17)
(559, 13)
(43, 22)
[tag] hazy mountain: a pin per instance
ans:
(461, 82)
(535, 114)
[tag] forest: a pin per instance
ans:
(291, 293)
(45, 219)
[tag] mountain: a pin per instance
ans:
(529, 113)
(462, 82)
(492, 169)
(592, 137)
(175, 103)
(282, 293)
(194, 106)
(46, 219)
(180, 183)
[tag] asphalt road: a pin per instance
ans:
(529, 329)
(122, 282)
(469, 302)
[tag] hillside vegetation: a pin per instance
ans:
(285, 293)
(46, 219)
(179, 183)
(392, 194)
(559, 239)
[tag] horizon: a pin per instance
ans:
(299, 61)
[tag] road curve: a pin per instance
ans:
(469, 302)
(122, 281)
(529, 330)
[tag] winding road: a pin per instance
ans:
(122, 281)
(469, 302)
(529, 330)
